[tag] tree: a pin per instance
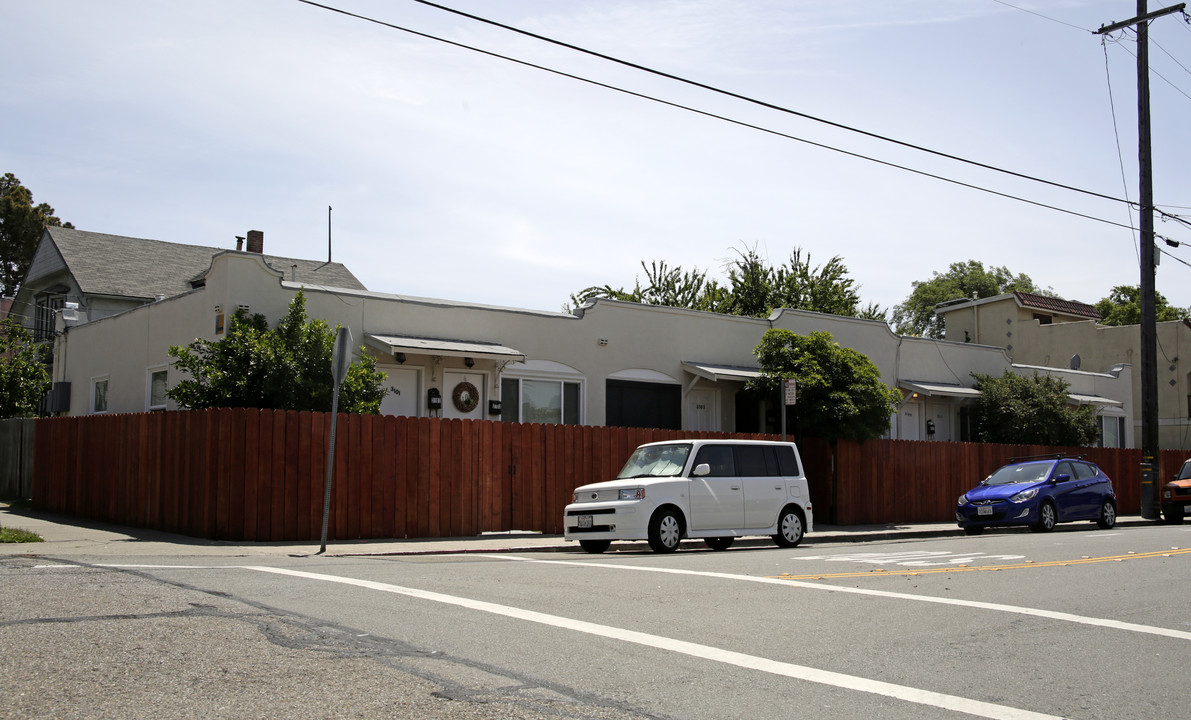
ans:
(968, 280)
(288, 368)
(24, 378)
(840, 393)
(21, 225)
(1123, 307)
(1030, 410)
(754, 288)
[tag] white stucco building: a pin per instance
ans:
(608, 363)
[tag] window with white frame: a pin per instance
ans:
(532, 400)
(99, 395)
(156, 387)
(1112, 431)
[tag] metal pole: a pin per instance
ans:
(330, 467)
(1149, 325)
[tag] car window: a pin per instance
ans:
(750, 461)
(1185, 471)
(656, 461)
(1084, 471)
(719, 457)
(1064, 468)
(787, 461)
(1021, 473)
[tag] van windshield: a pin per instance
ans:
(656, 461)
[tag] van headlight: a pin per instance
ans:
(632, 494)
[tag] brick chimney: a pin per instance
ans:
(256, 241)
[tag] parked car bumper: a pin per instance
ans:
(628, 520)
(1001, 513)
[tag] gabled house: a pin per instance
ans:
(79, 276)
(607, 363)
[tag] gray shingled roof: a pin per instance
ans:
(105, 264)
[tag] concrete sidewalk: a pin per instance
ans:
(67, 536)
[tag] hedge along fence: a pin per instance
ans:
(258, 475)
(237, 474)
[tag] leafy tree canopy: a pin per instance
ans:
(24, 378)
(753, 288)
(21, 225)
(288, 368)
(1123, 307)
(840, 393)
(1030, 410)
(916, 316)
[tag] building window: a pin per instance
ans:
(1112, 431)
(156, 388)
(99, 395)
(527, 400)
(44, 316)
(631, 403)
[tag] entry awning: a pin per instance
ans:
(1094, 400)
(931, 389)
(715, 373)
(443, 347)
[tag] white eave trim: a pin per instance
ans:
(442, 347)
(942, 389)
(716, 373)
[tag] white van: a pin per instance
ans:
(716, 490)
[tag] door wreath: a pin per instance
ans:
(465, 397)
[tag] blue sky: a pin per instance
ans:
(465, 177)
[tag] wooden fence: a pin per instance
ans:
(258, 475)
(16, 457)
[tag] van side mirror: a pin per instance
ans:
(701, 470)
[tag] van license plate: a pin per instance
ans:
(984, 510)
(584, 522)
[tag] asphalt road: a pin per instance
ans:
(1079, 623)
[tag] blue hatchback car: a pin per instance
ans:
(1039, 492)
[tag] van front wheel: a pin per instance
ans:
(665, 531)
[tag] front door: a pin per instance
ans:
(717, 499)
(701, 412)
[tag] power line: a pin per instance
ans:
(1038, 14)
(754, 101)
(741, 123)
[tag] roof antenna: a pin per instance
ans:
(328, 234)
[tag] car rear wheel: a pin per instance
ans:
(973, 530)
(1172, 515)
(1108, 515)
(719, 543)
(1047, 519)
(665, 531)
(595, 546)
(789, 528)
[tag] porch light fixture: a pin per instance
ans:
(469, 362)
(399, 357)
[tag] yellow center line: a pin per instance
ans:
(880, 572)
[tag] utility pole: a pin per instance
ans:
(1149, 326)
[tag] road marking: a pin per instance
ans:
(913, 558)
(1029, 564)
(1035, 612)
(705, 652)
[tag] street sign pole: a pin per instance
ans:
(789, 397)
(339, 364)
